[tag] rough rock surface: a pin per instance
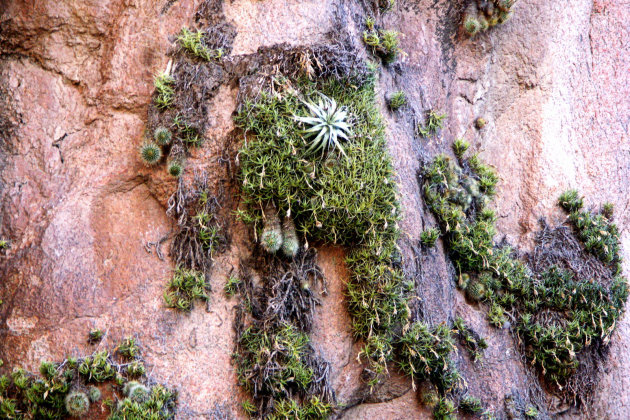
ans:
(78, 205)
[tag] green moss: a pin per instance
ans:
(184, 288)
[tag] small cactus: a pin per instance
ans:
(94, 393)
(175, 169)
(136, 391)
(290, 241)
(77, 403)
(476, 290)
(150, 153)
(271, 238)
(472, 26)
(162, 136)
(429, 396)
(480, 123)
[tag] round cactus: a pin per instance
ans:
(476, 290)
(162, 136)
(150, 153)
(94, 393)
(139, 393)
(290, 242)
(175, 169)
(472, 25)
(77, 403)
(271, 238)
(429, 396)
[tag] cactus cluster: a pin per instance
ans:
(276, 237)
(480, 15)
(77, 403)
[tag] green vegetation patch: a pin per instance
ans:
(349, 200)
(184, 288)
(563, 312)
(62, 390)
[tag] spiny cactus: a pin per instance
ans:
(481, 15)
(94, 394)
(162, 136)
(175, 168)
(271, 237)
(476, 291)
(77, 403)
(150, 153)
(136, 391)
(429, 395)
(290, 242)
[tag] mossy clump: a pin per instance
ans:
(471, 405)
(434, 123)
(150, 153)
(184, 288)
(480, 15)
(469, 339)
(397, 100)
(429, 237)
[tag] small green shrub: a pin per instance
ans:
(460, 147)
(95, 335)
(397, 100)
(135, 369)
(232, 286)
(445, 410)
(188, 133)
(184, 288)
(129, 349)
(571, 201)
(165, 91)
(383, 43)
(469, 339)
(434, 123)
(471, 405)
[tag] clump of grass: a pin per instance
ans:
(383, 43)
(429, 237)
(445, 410)
(397, 100)
(232, 285)
(188, 133)
(571, 201)
(164, 89)
(95, 335)
(471, 405)
(150, 153)
(193, 42)
(470, 339)
(460, 147)
(129, 349)
(434, 123)
(184, 288)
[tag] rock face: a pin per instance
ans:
(76, 79)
